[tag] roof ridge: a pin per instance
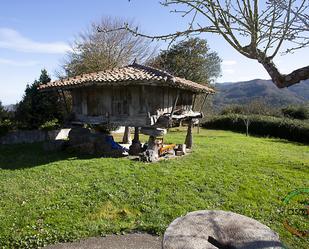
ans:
(155, 70)
(133, 73)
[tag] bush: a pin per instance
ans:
(256, 107)
(294, 130)
(232, 109)
(50, 125)
(298, 112)
(106, 129)
(5, 126)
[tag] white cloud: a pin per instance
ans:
(11, 39)
(229, 62)
(18, 63)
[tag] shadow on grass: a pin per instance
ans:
(284, 141)
(20, 156)
(270, 138)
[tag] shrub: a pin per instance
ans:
(5, 126)
(106, 128)
(255, 106)
(297, 112)
(232, 109)
(294, 130)
(50, 125)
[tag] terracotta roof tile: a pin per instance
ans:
(134, 74)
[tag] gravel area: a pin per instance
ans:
(129, 241)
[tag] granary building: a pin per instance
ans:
(133, 95)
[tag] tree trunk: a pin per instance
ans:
(284, 80)
(126, 136)
(247, 129)
(247, 123)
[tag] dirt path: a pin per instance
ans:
(129, 241)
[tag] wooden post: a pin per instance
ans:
(175, 104)
(193, 103)
(126, 136)
(189, 138)
(204, 100)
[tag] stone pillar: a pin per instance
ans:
(152, 152)
(136, 146)
(136, 135)
(189, 138)
(126, 136)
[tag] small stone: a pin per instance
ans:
(182, 148)
(179, 153)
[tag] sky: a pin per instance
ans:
(36, 34)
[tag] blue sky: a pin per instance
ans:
(36, 34)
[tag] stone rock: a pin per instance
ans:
(84, 148)
(183, 148)
(101, 147)
(79, 136)
(135, 148)
(114, 154)
(54, 145)
(149, 156)
(155, 132)
(82, 141)
(179, 153)
(229, 229)
(152, 152)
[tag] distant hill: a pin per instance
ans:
(264, 90)
(10, 108)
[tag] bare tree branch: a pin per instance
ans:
(256, 30)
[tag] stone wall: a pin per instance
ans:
(19, 137)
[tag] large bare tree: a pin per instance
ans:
(259, 30)
(93, 51)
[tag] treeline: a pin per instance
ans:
(36, 110)
(256, 118)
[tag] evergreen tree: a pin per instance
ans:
(38, 107)
(191, 59)
(2, 111)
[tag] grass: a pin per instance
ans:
(51, 197)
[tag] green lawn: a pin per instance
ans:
(50, 197)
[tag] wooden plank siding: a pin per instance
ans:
(131, 105)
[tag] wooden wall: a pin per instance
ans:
(125, 105)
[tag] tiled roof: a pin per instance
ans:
(134, 74)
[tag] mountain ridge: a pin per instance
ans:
(264, 90)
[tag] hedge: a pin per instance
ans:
(298, 112)
(294, 130)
